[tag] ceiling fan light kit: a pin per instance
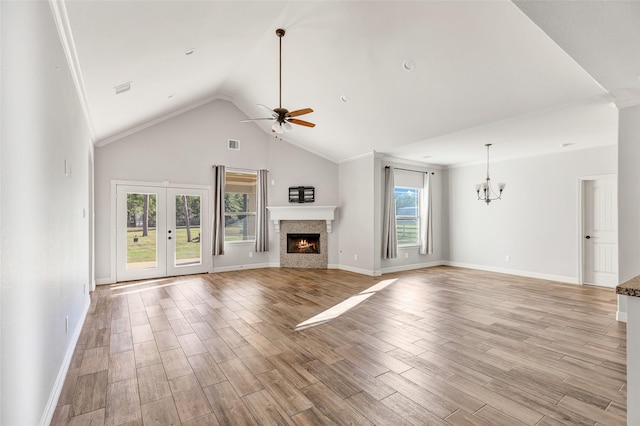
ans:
(281, 117)
(484, 190)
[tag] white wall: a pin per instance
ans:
(537, 221)
(357, 210)
(629, 192)
(183, 149)
(45, 228)
(628, 199)
(293, 166)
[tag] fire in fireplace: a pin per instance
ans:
(303, 243)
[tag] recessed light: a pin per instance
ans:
(566, 144)
(121, 88)
(408, 65)
(427, 156)
(170, 96)
(190, 51)
(345, 98)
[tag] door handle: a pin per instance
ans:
(169, 237)
(588, 237)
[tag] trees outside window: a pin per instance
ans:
(407, 215)
(240, 206)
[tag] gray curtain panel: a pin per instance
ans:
(389, 237)
(262, 216)
(426, 221)
(219, 181)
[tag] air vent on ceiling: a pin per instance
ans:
(121, 88)
(233, 144)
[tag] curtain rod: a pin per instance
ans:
(408, 170)
(238, 168)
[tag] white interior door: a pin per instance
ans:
(600, 232)
(160, 232)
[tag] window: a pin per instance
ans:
(407, 215)
(240, 206)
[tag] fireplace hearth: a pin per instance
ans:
(303, 243)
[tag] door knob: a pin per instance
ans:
(169, 237)
(588, 237)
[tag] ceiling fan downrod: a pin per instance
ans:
(280, 33)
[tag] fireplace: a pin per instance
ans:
(303, 243)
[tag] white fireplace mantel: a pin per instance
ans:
(326, 213)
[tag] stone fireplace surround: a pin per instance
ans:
(303, 220)
(303, 260)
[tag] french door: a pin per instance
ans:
(161, 231)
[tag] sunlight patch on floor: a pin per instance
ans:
(344, 306)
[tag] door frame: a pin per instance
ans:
(113, 228)
(581, 215)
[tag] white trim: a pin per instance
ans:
(395, 160)
(412, 266)
(113, 264)
(243, 267)
(627, 104)
(581, 216)
(50, 408)
(621, 316)
(113, 232)
(368, 272)
(61, 19)
(537, 275)
(117, 136)
(359, 157)
(278, 213)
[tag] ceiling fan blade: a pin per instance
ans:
(300, 122)
(272, 112)
(299, 112)
(257, 119)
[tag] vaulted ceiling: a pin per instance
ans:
(531, 77)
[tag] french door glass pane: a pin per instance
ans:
(142, 243)
(188, 245)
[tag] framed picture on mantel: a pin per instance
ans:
(302, 194)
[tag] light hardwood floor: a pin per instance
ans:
(438, 346)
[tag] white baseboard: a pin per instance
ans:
(412, 267)
(549, 277)
(368, 272)
(50, 408)
(621, 316)
(103, 281)
(242, 267)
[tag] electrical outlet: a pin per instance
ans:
(250, 254)
(355, 257)
(406, 255)
(507, 258)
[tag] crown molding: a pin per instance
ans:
(61, 19)
(627, 103)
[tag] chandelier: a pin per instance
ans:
(484, 190)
